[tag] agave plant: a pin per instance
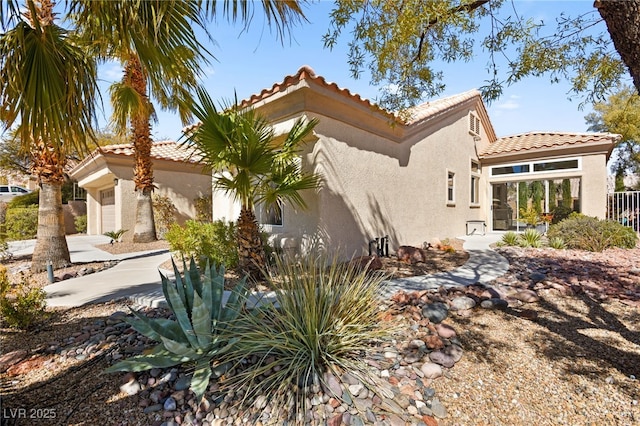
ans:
(195, 336)
(510, 239)
(531, 238)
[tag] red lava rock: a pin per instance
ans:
(434, 342)
(372, 263)
(335, 420)
(429, 421)
(26, 366)
(11, 358)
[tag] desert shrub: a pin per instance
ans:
(510, 239)
(21, 223)
(560, 213)
(204, 213)
(324, 316)
(592, 234)
(164, 214)
(214, 241)
(80, 223)
(194, 335)
(21, 305)
(530, 238)
(26, 200)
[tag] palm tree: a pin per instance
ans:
(156, 42)
(239, 147)
(48, 99)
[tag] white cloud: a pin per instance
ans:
(510, 104)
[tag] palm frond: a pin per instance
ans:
(127, 103)
(49, 87)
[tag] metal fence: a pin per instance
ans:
(624, 207)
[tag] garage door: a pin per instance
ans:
(108, 206)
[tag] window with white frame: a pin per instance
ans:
(475, 183)
(451, 187)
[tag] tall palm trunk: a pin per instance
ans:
(251, 254)
(144, 230)
(51, 244)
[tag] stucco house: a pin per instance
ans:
(107, 176)
(439, 172)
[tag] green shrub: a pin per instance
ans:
(592, 234)
(324, 317)
(215, 241)
(80, 223)
(530, 238)
(510, 239)
(21, 223)
(195, 335)
(560, 213)
(26, 200)
(164, 214)
(21, 305)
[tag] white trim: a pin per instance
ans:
(531, 164)
(451, 202)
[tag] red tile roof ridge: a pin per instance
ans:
(305, 72)
(436, 106)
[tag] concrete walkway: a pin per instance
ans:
(137, 277)
(483, 266)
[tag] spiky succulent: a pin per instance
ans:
(195, 336)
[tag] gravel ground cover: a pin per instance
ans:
(556, 341)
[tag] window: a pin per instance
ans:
(451, 187)
(474, 198)
(272, 215)
(555, 165)
(510, 170)
(537, 167)
(4, 188)
(474, 124)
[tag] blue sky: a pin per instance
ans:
(247, 62)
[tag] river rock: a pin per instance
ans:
(435, 312)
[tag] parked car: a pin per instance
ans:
(8, 192)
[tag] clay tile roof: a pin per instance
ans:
(308, 74)
(435, 107)
(545, 140)
(165, 150)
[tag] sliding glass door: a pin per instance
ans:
(521, 204)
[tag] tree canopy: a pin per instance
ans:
(400, 43)
(620, 113)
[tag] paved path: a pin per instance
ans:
(483, 266)
(137, 277)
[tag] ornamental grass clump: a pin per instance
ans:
(323, 320)
(198, 333)
(510, 238)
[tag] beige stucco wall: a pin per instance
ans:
(374, 187)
